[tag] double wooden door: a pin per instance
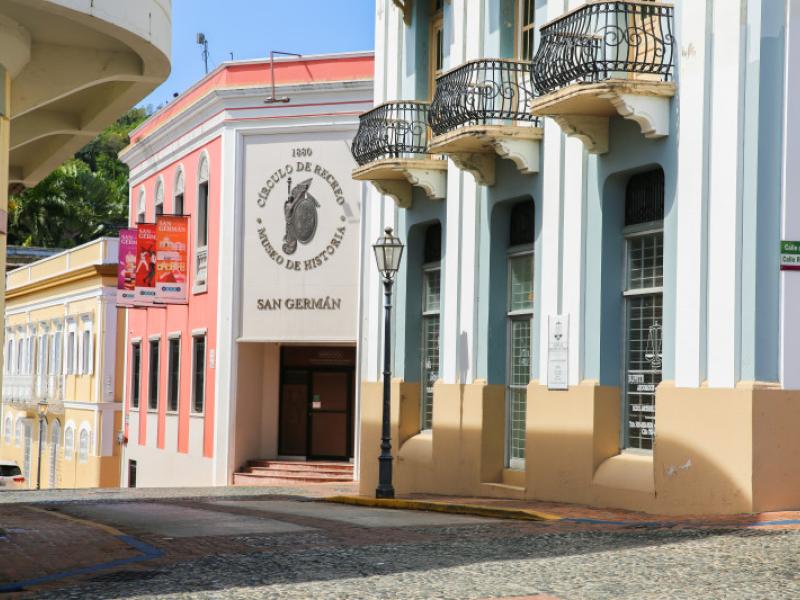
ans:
(316, 412)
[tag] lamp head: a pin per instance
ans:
(388, 253)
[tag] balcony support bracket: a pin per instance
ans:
(480, 165)
(396, 178)
(522, 152)
(592, 131)
(584, 110)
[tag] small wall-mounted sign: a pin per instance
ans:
(790, 256)
(558, 353)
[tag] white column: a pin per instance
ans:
(690, 291)
(228, 306)
(790, 222)
(548, 301)
(725, 189)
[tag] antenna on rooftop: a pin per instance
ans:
(272, 99)
(202, 41)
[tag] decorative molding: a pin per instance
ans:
(523, 153)
(479, 164)
(397, 189)
(584, 110)
(592, 131)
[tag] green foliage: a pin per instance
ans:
(85, 198)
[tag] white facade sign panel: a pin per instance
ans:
(558, 352)
(300, 267)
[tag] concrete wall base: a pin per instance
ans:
(719, 451)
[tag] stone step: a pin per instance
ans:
(335, 473)
(259, 479)
(301, 465)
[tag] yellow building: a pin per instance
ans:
(61, 355)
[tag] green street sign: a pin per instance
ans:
(790, 256)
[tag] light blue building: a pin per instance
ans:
(591, 307)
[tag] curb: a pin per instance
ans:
(519, 514)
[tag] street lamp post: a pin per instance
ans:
(42, 410)
(388, 253)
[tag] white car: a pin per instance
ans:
(10, 476)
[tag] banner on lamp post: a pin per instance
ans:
(126, 267)
(172, 240)
(145, 264)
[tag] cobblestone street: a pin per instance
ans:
(284, 543)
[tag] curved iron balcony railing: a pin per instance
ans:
(392, 130)
(490, 91)
(606, 40)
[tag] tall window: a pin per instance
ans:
(643, 293)
(431, 300)
(87, 349)
(136, 373)
(174, 377)
(69, 442)
(198, 373)
(525, 29)
(202, 204)
(152, 387)
(141, 214)
(177, 202)
(71, 342)
(20, 352)
(159, 198)
(83, 445)
(9, 352)
(436, 44)
(520, 318)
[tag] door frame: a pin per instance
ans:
(309, 370)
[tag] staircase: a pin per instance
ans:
(287, 472)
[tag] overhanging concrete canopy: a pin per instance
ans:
(75, 66)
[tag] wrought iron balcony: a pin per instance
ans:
(26, 391)
(391, 149)
(606, 58)
(392, 130)
(481, 108)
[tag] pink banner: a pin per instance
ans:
(126, 267)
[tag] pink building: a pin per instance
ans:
(260, 364)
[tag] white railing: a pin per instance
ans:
(26, 391)
(200, 267)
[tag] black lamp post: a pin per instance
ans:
(42, 410)
(388, 252)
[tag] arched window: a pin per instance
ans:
(83, 445)
(643, 296)
(159, 197)
(201, 218)
(55, 441)
(177, 198)
(141, 209)
(520, 320)
(18, 432)
(7, 430)
(431, 310)
(69, 442)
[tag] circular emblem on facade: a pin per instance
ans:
(304, 230)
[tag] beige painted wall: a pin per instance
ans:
(716, 451)
(257, 389)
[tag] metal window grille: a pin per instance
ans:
(520, 315)
(431, 302)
